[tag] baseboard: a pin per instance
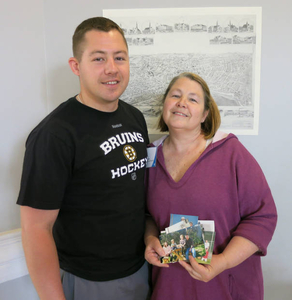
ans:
(12, 260)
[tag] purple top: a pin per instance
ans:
(224, 184)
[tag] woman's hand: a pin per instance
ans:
(205, 273)
(237, 251)
(154, 251)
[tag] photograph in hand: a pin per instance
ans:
(187, 236)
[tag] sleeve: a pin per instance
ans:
(47, 169)
(146, 192)
(145, 129)
(256, 204)
(146, 180)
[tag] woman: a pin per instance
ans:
(206, 173)
(166, 248)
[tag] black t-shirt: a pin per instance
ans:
(90, 165)
(189, 243)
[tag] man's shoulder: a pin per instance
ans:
(133, 115)
(64, 109)
(130, 107)
(56, 121)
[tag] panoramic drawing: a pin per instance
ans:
(222, 45)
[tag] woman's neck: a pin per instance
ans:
(184, 141)
(181, 151)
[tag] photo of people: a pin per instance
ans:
(178, 222)
(185, 241)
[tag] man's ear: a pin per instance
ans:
(74, 65)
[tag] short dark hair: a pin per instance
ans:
(212, 121)
(96, 23)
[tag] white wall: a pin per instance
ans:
(23, 94)
(23, 104)
(24, 101)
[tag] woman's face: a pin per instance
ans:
(184, 106)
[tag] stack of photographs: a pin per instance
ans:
(185, 236)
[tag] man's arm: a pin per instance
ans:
(40, 252)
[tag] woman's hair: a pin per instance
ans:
(213, 119)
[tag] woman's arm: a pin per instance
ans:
(153, 249)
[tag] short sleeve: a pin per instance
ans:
(47, 168)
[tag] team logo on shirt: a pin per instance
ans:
(121, 139)
(124, 139)
(130, 153)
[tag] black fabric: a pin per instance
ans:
(90, 165)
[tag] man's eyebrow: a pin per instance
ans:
(96, 52)
(105, 52)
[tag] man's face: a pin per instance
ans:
(104, 69)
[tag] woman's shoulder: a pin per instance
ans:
(229, 139)
(221, 136)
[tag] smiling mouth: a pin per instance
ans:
(110, 82)
(179, 114)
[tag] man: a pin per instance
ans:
(196, 229)
(190, 250)
(82, 189)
